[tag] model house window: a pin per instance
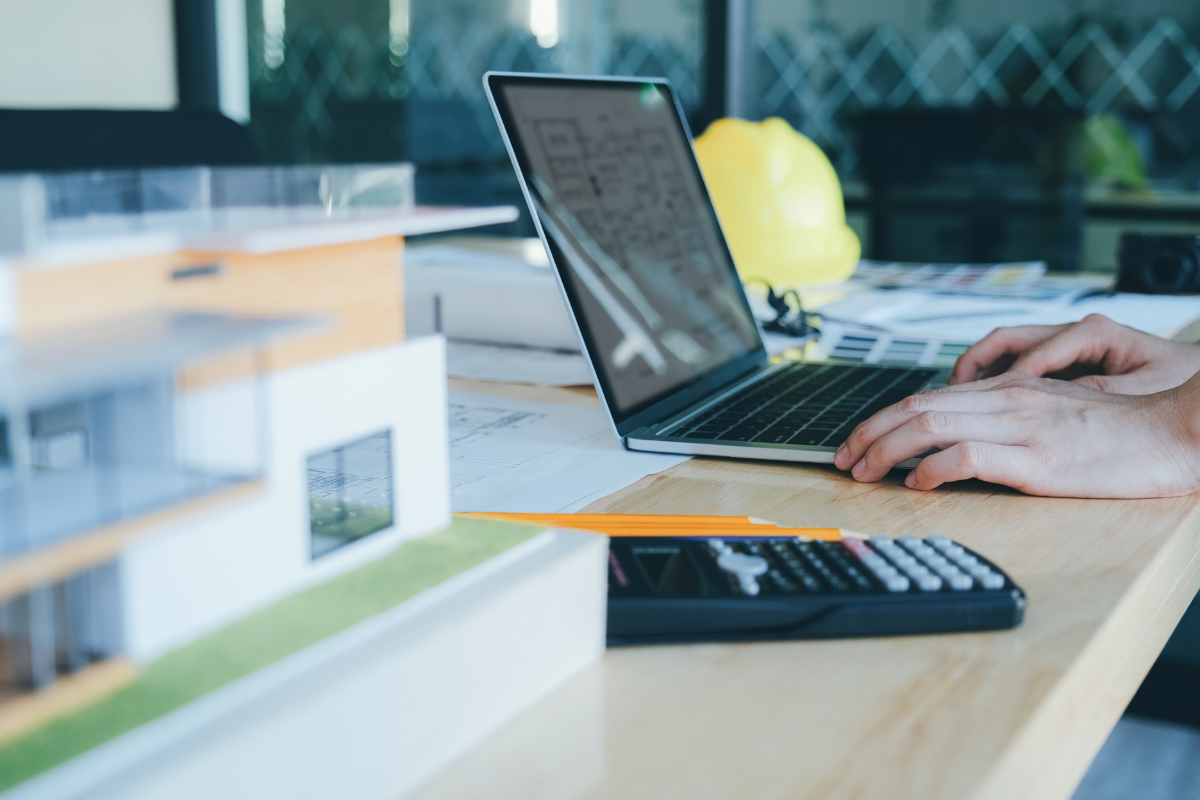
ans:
(59, 437)
(58, 629)
(350, 492)
(5, 453)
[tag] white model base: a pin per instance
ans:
(379, 709)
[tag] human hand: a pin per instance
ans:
(1095, 352)
(1040, 436)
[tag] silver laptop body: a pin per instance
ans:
(608, 171)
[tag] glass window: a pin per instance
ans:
(58, 629)
(966, 130)
(819, 64)
(392, 80)
(350, 492)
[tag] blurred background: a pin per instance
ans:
(962, 130)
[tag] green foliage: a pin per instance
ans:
(1111, 154)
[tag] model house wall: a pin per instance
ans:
(207, 571)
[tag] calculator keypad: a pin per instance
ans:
(851, 566)
(667, 589)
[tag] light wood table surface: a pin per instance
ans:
(1014, 714)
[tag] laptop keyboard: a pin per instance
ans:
(804, 404)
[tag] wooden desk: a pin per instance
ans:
(1014, 715)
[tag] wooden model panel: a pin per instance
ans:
(357, 287)
(53, 298)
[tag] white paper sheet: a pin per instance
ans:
(481, 361)
(519, 455)
(969, 319)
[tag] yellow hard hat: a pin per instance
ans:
(779, 202)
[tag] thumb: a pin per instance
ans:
(1078, 343)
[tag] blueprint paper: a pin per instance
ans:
(481, 361)
(520, 455)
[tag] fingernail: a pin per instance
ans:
(911, 480)
(839, 458)
(860, 468)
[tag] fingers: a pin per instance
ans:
(1086, 342)
(933, 430)
(995, 463)
(975, 397)
(998, 346)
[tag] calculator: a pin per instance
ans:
(668, 589)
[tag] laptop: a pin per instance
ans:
(607, 168)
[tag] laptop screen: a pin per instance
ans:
(633, 234)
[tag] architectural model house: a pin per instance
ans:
(207, 404)
(247, 401)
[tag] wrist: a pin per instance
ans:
(1182, 425)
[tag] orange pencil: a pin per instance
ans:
(661, 524)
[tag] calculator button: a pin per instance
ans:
(987, 577)
(744, 567)
(839, 556)
(797, 571)
(917, 572)
(945, 546)
(805, 577)
(814, 557)
(781, 582)
(874, 562)
(887, 574)
(992, 581)
(960, 582)
(930, 557)
(927, 582)
(882, 568)
(952, 575)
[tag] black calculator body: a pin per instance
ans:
(668, 589)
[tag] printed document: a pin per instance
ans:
(520, 455)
